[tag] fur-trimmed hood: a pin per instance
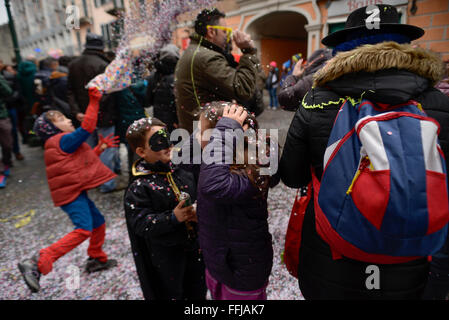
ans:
(382, 56)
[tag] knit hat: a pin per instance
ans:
(44, 128)
(169, 50)
(94, 42)
(273, 64)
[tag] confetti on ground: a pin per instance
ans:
(27, 190)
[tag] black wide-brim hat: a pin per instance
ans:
(356, 24)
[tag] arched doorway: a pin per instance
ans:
(279, 35)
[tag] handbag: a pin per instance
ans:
(294, 229)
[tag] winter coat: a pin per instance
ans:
(190, 154)
(5, 92)
(293, 89)
(233, 227)
(130, 103)
(42, 84)
(25, 76)
(69, 174)
(58, 92)
(15, 100)
(255, 104)
(149, 202)
(213, 79)
(387, 73)
(272, 79)
(83, 69)
(160, 92)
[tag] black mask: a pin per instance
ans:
(160, 140)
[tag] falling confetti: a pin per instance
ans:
(147, 27)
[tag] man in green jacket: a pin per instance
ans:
(5, 132)
(203, 73)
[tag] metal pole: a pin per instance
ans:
(12, 29)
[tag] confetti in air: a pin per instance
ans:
(147, 27)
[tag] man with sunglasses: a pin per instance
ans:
(203, 73)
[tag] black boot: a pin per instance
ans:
(94, 265)
(30, 273)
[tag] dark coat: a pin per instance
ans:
(43, 95)
(5, 93)
(214, 79)
(25, 76)
(398, 75)
(160, 245)
(15, 100)
(130, 104)
(233, 227)
(160, 93)
(293, 89)
(58, 92)
(273, 79)
(255, 104)
(81, 71)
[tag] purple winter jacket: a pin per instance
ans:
(233, 226)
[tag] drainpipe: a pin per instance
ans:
(12, 29)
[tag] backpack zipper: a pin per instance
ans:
(364, 163)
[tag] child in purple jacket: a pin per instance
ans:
(232, 215)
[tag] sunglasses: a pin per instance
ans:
(227, 29)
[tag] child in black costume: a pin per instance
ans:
(167, 257)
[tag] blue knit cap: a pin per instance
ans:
(361, 39)
(44, 128)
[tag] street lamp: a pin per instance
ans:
(12, 29)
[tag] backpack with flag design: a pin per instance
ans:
(383, 195)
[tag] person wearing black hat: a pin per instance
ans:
(376, 61)
(91, 63)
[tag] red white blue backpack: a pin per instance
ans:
(383, 195)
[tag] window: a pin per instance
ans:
(119, 4)
(78, 40)
(111, 33)
(105, 32)
(86, 12)
(99, 3)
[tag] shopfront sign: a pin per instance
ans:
(344, 7)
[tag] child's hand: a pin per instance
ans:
(194, 217)
(108, 142)
(183, 214)
(299, 68)
(235, 112)
(94, 94)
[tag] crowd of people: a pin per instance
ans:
(201, 225)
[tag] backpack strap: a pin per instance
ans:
(316, 188)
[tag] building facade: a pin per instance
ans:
(281, 28)
(42, 25)
(7, 48)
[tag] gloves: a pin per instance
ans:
(91, 115)
(104, 143)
